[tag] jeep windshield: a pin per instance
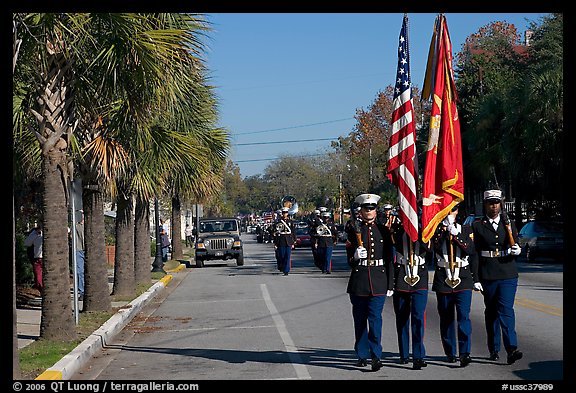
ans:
(215, 226)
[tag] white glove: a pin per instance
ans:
(446, 222)
(515, 249)
(478, 287)
(389, 293)
(452, 229)
(360, 253)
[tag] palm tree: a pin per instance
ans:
(46, 60)
(16, 41)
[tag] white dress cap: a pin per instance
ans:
(367, 199)
(492, 194)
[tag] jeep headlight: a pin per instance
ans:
(229, 242)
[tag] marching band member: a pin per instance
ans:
(325, 238)
(455, 275)
(496, 242)
(284, 238)
(371, 279)
(313, 224)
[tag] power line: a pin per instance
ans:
(292, 127)
(276, 158)
(295, 141)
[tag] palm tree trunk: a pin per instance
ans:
(142, 257)
(57, 322)
(53, 113)
(96, 288)
(176, 228)
(15, 353)
(124, 282)
(16, 41)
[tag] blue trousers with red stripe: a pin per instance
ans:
(283, 254)
(410, 310)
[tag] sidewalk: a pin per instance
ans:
(28, 328)
(28, 319)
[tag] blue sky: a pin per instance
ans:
(282, 77)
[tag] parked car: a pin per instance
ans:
(303, 238)
(542, 238)
(218, 238)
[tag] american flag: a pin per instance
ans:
(402, 150)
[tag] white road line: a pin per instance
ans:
(299, 367)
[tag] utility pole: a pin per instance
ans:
(340, 196)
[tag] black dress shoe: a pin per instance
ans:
(494, 356)
(418, 364)
(404, 361)
(465, 360)
(376, 364)
(514, 355)
(285, 273)
(452, 359)
(361, 363)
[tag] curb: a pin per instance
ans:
(66, 367)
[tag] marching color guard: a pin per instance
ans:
(495, 239)
(371, 279)
(410, 295)
(455, 275)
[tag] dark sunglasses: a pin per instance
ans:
(369, 207)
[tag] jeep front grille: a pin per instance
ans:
(218, 244)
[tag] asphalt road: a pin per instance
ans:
(229, 323)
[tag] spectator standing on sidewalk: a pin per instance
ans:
(188, 234)
(165, 242)
(34, 242)
(80, 253)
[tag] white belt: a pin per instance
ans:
(371, 262)
(443, 263)
(494, 254)
(417, 259)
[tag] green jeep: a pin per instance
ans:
(218, 239)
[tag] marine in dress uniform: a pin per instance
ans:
(325, 238)
(455, 276)
(371, 279)
(284, 238)
(410, 295)
(495, 239)
(314, 222)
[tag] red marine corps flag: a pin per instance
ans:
(443, 175)
(402, 148)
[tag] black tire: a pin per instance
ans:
(240, 259)
(199, 263)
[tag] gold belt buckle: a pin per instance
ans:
(497, 253)
(370, 262)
